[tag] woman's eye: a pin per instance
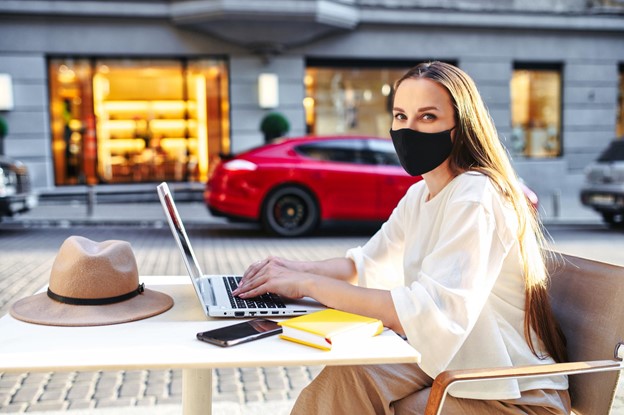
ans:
(400, 116)
(429, 117)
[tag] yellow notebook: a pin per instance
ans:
(329, 328)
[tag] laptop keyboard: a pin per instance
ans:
(267, 300)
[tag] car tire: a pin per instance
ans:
(290, 211)
(613, 219)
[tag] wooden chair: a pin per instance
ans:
(588, 301)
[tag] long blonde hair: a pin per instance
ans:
(477, 147)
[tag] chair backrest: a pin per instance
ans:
(588, 301)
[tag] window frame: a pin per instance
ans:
(541, 66)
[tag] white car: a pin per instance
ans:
(604, 184)
(15, 191)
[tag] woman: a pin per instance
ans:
(457, 269)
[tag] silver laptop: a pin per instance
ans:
(215, 291)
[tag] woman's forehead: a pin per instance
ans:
(422, 92)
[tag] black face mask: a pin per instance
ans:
(420, 152)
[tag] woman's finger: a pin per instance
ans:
(252, 270)
(250, 282)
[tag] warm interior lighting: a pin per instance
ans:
(268, 90)
(308, 106)
(386, 89)
(6, 92)
(201, 125)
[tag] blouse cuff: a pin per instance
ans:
(357, 256)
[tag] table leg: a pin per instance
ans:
(197, 391)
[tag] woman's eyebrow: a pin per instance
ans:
(423, 109)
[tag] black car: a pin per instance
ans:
(15, 190)
(604, 184)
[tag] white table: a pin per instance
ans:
(167, 341)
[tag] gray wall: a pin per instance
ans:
(245, 113)
(29, 122)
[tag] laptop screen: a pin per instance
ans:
(179, 233)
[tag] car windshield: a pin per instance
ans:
(615, 152)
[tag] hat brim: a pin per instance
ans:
(41, 309)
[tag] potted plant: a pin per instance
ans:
(4, 130)
(274, 125)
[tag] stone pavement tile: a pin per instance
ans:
(9, 385)
(86, 376)
(36, 379)
(157, 390)
(115, 402)
(47, 406)
(276, 395)
(254, 397)
(131, 389)
(13, 408)
(27, 394)
(146, 401)
(168, 401)
(81, 404)
(60, 380)
(52, 395)
(80, 391)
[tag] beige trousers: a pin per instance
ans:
(404, 389)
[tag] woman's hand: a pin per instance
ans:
(330, 282)
(275, 275)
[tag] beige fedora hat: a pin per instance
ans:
(92, 284)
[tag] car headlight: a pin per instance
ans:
(8, 183)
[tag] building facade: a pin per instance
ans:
(124, 92)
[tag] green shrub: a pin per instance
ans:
(274, 125)
(4, 128)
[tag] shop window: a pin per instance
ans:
(536, 111)
(350, 97)
(620, 111)
(72, 121)
(149, 121)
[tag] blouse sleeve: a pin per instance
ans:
(440, 308)
(379, 262)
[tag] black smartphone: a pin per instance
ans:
(240, 332)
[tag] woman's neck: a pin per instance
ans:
(438, 178)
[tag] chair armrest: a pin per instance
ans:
(445, 379)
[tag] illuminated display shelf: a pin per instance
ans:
(126, 125)
(154, 109)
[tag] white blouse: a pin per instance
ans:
(453, 267)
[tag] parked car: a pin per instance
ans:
(15, 190)
(293, 185)
(603, 190)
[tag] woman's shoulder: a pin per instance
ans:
(473, 186)
(417, 189)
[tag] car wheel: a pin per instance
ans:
(290, 211)
(613, 219)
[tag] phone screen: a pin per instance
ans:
(240, 332)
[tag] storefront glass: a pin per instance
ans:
(350, 100)
(72, 121)
(536, 112)
(149, 120)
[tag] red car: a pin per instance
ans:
(293, 185)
